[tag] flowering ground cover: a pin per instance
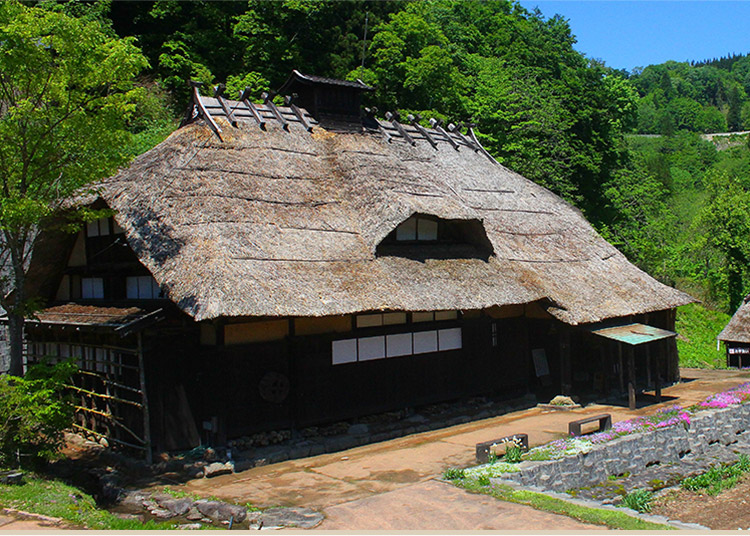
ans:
(671, 416)
(738, 395)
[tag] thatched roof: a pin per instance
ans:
(738, 328)
(285, 222)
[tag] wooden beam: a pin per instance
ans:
(218, 92)
(108, 381)
(631, 378)
(103, 396)
(252, 108)
(204, 112)
(436, 124)
(267, 100)
(414, 122)
(399, 128)
(298, 113)
(144, 401)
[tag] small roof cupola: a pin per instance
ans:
(335, 104)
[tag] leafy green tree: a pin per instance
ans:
(734, 114)
(35, 411)
(726, 219)
(65, 89)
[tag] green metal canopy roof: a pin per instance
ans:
(634, 334)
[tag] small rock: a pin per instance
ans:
(207, 508)
(218, 468)
(193, 514)
(161, 513)
(209, 455)
(190, 526)
(232, 511)
(13, 477)
(177, 506)
(135, 517)
(303, 518)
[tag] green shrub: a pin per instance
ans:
(638, 500)
(513, 453)
(34, 412)
(453, 473)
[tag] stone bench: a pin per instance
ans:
(483, 449)
(604, 420)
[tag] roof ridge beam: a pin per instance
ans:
(288, 101)
(202, 108)
(266, 96)
(218, 92)
(414, 121)
(401, 130)
(251, 108)
(437, 125)
(454, 129)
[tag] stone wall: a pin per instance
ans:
(633, 453)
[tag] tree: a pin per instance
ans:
(726, 219)
(65, 91)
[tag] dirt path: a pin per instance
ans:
(15, 521)
(435, 505)
(381, 479)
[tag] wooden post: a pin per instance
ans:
(622, 372)
(631, 378)
(647, 350)
(144, 401)
(658, 377)
(566, 384)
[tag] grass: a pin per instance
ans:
(698, 328)
(639, 500)
(56, 499)
(609, 518)
(718, 478)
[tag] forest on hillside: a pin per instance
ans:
(676, 204)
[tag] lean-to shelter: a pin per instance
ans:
(303, 263)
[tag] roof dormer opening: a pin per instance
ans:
(423, 236)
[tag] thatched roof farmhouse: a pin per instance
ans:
(736, 336)
(303, 263)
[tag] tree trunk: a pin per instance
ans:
(16, 309)
(15, 335)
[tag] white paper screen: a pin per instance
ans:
(449, 339)
(92, 288)
(427, 229)
(425, 341)
(407, 230)
(398, 344)
(371, 348)
(344, 351)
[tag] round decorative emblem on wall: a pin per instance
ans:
(274, 387)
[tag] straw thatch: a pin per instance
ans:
(738, 328)
(275, 222)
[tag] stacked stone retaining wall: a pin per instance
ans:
(633, 453)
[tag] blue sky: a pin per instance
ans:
(628, 34)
